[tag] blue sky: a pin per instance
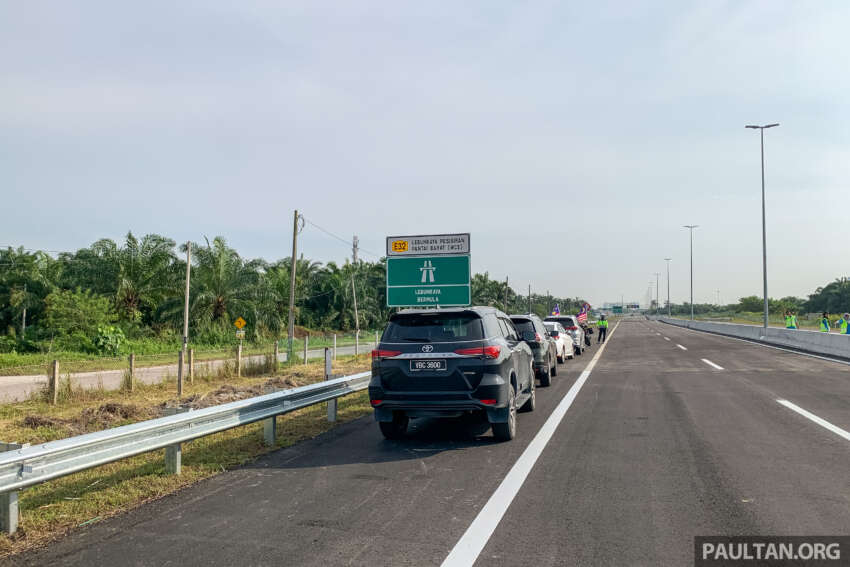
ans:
(571, 139)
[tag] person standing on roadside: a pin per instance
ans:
(790, 319)
(824, 323)
(603, 328)
(841, 324)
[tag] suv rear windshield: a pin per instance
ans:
(523, 325)
(434, 328)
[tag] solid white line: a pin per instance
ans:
(681, 347)
(822, 422)
(707, 361)
(472, 542)
(666, 338)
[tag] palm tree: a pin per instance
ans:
(224, 286)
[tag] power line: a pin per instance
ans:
(341, 239)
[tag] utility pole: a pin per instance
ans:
(356, 318)
(718, 297)
(691, 228)
(355, 246)
(186, 298)
(24, 314)
(548, 302)
(506, 294)
(529, 298)
(668, 285)
(657, 297)
(291, 330)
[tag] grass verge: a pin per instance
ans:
(55, 508)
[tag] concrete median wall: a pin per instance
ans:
(815, 342)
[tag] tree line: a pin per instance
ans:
(96, 298)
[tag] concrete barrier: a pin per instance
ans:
(815, 342)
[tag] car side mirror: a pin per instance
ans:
(528, 336)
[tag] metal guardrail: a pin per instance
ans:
(20, 468)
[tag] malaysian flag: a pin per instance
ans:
(556, 310)
(582, 315)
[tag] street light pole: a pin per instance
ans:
(691, 227)
(668, 285)
(763, 218)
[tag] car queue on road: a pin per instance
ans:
(446, 363)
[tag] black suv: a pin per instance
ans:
(447, 362)
(533, 332)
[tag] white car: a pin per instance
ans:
(574, 330)
(563, 342)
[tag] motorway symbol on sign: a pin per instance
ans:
(240, 322)
(428, 281)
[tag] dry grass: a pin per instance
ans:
(54, 508)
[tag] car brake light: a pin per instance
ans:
(573, 328)
(486, 352)
(377, 402)
(488, 402)
(379, 353)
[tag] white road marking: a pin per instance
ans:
(763, 345)
(472, 542)
(822, 422)
(717, 366)
(681, 347)
(666, 338)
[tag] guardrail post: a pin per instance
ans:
(191, 366)
(276, 356)
(328, 376)
(180, 374)
(174, 453)
(334, 346)
(306, 342)
(132, 376)
(270, 430)
(54, 383)
(9, 512)
(239, 360)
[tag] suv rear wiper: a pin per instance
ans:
(417, 339)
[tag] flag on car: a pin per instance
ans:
(556, 310)
(582, 315)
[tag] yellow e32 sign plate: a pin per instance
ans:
(399, 246)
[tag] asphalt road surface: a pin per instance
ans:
(22, 387)
(672, 434)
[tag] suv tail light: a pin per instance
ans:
(379, 353)
(486, 352)
(573, 328)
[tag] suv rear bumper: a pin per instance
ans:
(442, 404)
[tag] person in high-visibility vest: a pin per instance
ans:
(841, 324)
(790, 320)
(824, 323)
(603, 329)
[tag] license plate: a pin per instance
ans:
(417, 365)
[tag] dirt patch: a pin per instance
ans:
(35, 421)
(90, 419)
(105, 416)
(232, 392)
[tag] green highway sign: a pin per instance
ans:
(428, 281)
